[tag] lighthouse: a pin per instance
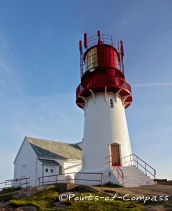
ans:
(103, 94)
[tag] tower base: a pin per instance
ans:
(90, 177)
(133, 177)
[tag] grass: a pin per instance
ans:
(8, 190)
(168, 205)
(9, 196)
(45, 200)
(6, 198)
(103, 205)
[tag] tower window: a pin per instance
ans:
(111, 102)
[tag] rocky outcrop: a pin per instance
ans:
(3, 205)
(23, 193)
(26, 208)
(22, 208)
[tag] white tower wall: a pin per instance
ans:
(103, 126)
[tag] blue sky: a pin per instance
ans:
(39, 72)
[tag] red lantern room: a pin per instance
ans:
(102, 69)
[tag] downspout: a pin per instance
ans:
(42, 175)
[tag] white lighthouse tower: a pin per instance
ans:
(103, 94)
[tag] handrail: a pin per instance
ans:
(56, 180)
(15, 182)
(107, 39)
(137, 162)
(105, 81)
(121, 175)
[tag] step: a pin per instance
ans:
(131, 174)
(133, 177)
(137, 183)
(136, 180)
(136, 177)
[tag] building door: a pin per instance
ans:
(115, 155)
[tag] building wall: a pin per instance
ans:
(39, 172)
(26, 156)
(68, 169)
(45, 179)
(72, 166)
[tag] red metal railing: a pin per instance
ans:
(117, 167)
(143, 164)
(103, 81)
(15, 182)
(56, 180)
(105, 39)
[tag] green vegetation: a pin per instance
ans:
(45, 200)
(9, 196)
(168, 205)
(6, 198)
(103, 205)
(8, 190)
(89, 201)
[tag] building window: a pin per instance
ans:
(111, 102)
(51, 170)
(24, 170)
(60, 170)
(46, 170)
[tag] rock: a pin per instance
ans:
(60, 205)
(155, 208)
(7, 208)
(3, 205)
(25, 192)
(22, 208)
(26, 208)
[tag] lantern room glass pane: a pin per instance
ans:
(91, 60)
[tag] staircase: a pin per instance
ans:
(133, 177)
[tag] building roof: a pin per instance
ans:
(54, 149)
(49, 162)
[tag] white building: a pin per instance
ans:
(41, 158)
